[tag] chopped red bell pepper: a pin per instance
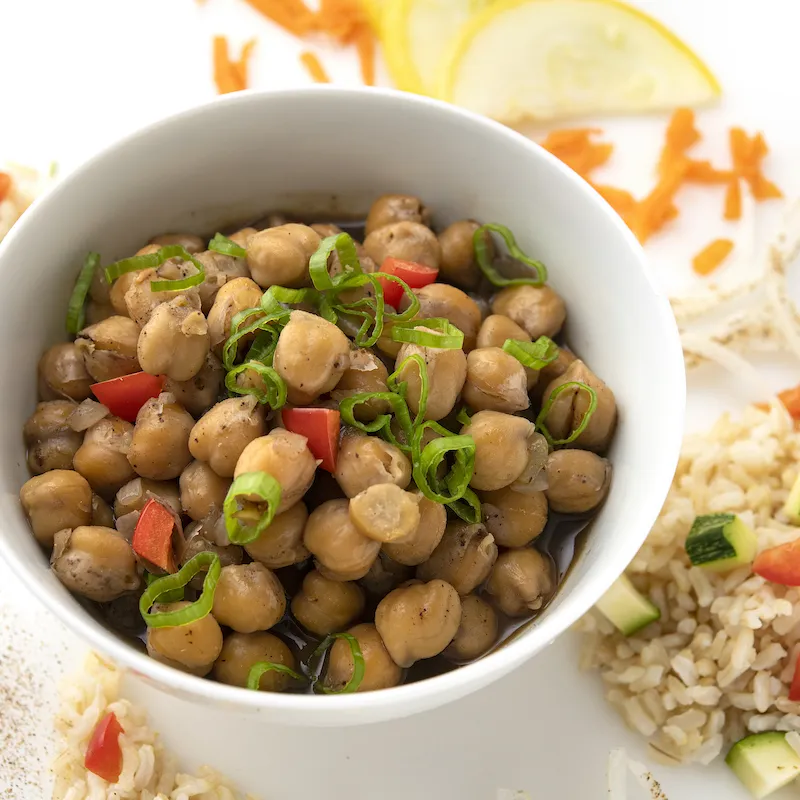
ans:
(415, 275)
(152, 537)
(794, 689)
(321, 427)
(104, 754)
(124, 396)
(791, 399)
(780, 564)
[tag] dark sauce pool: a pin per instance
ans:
(561, 541)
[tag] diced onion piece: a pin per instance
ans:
(88, 413)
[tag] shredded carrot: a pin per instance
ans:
(733, 200)
(574, 147)
(791, 399)
(681, 135)
(365, 47)
(230, 76)
(747, 155)
(292, 15)
(711, 256)
(622, 201)
(314, 67)
(706, 172)
(658, 208)
(5, 185)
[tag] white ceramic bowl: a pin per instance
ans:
(338, 149)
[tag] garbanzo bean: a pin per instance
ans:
(477, 631)
(202, 490)
(62, 373)
(279, 256)
(577, 480)
(102, 514)
(219, 270)
(458, 263)
(234, 296)
(160, 443)
(443, 300)
(241, 651)
(220, 436)
(191, 648)
(385, 513)
(120, 287)
(56, 500)
(496, 381)
(199, 393)
(366, 461)
(408, 241)
(281, 544)
(103, 457)
(324, 606)
(133, 496)
(538, 309)
(142, 301)
(380, 672)
(311, 356)
(249, 598)
(109, 348)
(365, 373)
(391, 208)
(514, 518)
(188, 241)
(521, 581)
(496, 329)
(52, 444)
(385, 575)
(419, 546)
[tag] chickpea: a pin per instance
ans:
(458, 263)
(501, 448)
(408, 241)
(109, 348)
(59, 499)
(443, 300)
(385, 513)
(94, 562)
(199, 393)
(496, 381)
(366, 461)
(52, 444)
(241, 651)
(385, 575)
(142, 301)
(324, 606)
(97, 312)
(62, 373)
(134, 495)
(555, 369)
(325, 229)
(281, 544)
(365, 373)
(219, 270)
(447, 371)
(391, 208)
(190, 648)
(463, 558)
(103, 457)
(220, 436)
(521, 581)
(249, 598)
(242, 237)
(572, 403)
(279, 256)
(577, 481)
(188, 241)
(538, 309)
(477, 631)
(234, 296)
(196, 542)
(286, 457)
(423, 542)
(121, 285)
(380, 672)
(311, 356)
(418, 621)
(160, 444)
(175, 340)
(496, 330)
(202, 490)
(514, 518)
(342, 552)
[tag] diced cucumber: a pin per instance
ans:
(629, 610)
(720, 542)
(792, 505)
(764, 762)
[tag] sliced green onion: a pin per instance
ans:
(76, 310)
(413, 300)
(155, 260)
(260, 667)
(394, 383)
(274, 392)
(284, 296)
(426, 463)
(222, 244)
(263, 348)
(374, 307)
(382, 424)
(269, 324)
(480, 243)
(447, 336)
(168, 597)
(468, 507)
(534, 355)
(587, 416)
(359, 667)
(464, 417)
(268, 491)
(170, 583)
(348, 257)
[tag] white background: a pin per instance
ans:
(76, 75)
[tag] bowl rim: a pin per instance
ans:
(455, 683)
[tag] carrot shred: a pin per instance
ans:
(230, 76)
(314, 67)
(747, 155)
(365, 47)
(575, 148)
(658, 208)
(292, 15)
(791, 399)
(706, 172)
(733, 200)
(622, 201)
(5, 185)
(680, 136)
(711, 256)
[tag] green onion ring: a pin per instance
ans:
(401, 387)
(274, 393)
(169, 583)
(372, 321)
(267, 489)
(348, 258)
(483, 257)
(426, 463)
(463, 416)
(268, 324)
(448, 337)
(155, 260)
(263, 348)
(76, 310)
(413, 300)
(176, 595)
(468, 507)
(533, 355)
(260, 667)
(381, 424)
(585, 419)
(222, 244)
(359, 666)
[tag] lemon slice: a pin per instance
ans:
(543, 59)
(417, 34)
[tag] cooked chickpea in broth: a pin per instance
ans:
(365, 446)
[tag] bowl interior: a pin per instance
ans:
(335, 150)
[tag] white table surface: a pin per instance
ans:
(77, 75)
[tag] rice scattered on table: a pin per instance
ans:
(149, 772)
(719, 662)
